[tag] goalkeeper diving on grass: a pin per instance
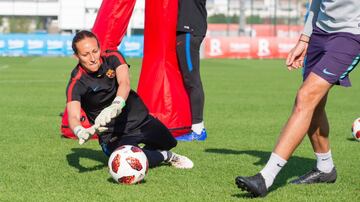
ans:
(100, 85)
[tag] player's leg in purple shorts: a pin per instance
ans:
(332, 56)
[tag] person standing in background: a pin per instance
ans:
(191, 30)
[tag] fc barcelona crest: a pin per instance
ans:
(110, 73)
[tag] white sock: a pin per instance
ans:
(272, 168)
(165, 154)
(198, 127)
(324, 162)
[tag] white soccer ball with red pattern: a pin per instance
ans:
(355, 130)
(128, 165)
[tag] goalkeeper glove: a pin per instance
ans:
(84, 134)
(110, 112)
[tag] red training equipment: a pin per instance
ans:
(161, 84)
(111, 22)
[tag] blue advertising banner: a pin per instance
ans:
(57, 45)
(132, 46)
(2, 46)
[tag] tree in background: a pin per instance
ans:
(20, 24)
(222, 18)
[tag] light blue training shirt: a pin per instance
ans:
(334, 16)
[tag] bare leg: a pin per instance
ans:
(319, 129)
(308, 97)
(308, 116)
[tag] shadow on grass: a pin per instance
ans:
(74, 159)
(242, 195)
(111, 180)
(295, 167)
(351, 139)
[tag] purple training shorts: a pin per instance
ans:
(332, 56)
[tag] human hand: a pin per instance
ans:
(110, 112)
(296, 56)
(83, 134)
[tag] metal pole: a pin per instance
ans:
(251, 17)
(289, 18)
(275, 18)
(242, 18)
(228, 19)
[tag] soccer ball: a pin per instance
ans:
(128, 165)
(355, 130)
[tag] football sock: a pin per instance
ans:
(155, 158)
(198, 127)
(272, 168)
(324, 162)
(167, 155)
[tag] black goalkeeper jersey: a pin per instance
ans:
(192, 17)
(97, 90)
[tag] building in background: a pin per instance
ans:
(236, 28)
(57, 16)
(68, 16)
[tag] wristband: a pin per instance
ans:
(303, 40)
(77, 129)
(119, 100)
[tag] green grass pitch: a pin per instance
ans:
(247, 103)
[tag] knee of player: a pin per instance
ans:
(170, 144)
(188, 85)
(191, 83)
(305, 100)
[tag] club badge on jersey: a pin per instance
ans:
(110, 73)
